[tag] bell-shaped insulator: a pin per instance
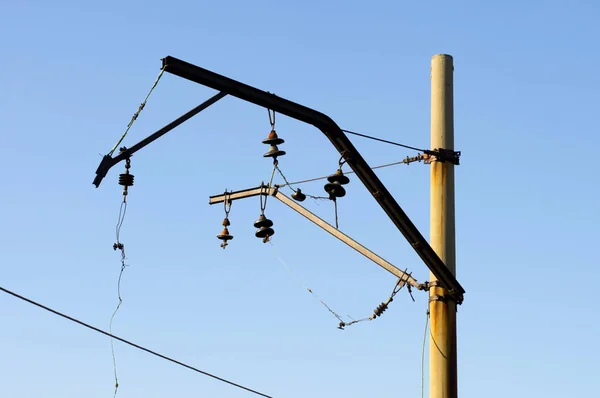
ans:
(298, 195)
(335, 190)
(226, 222)
(273, 152)
(225, 235)
(263, 222)
(273, 139)
(264, 232)
(338, 176)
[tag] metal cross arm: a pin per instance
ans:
(343, 145)
(246, 193)
(108, 161)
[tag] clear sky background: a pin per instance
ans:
(526, 106)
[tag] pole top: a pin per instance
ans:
(442, 56)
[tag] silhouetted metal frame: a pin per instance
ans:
(343, 145)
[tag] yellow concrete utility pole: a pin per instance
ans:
(442, 339)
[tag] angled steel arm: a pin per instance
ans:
(108, 161)
(339, 140)
(405, 277)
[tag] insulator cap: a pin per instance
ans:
(225, 235)
(298, 195)
(338, 176)
(264, 232)
(335, 190)
(274, 152)
(273, 139)
(126, 179)
(263, 222)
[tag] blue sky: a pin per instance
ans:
(526, 97)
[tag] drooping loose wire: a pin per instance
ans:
(304, 285)
(343, 324)
(126, 180)
(118, 246)
(289, 185)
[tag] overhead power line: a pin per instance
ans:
(382, 140)
(441, 154)
(406, 160)
(139, 347)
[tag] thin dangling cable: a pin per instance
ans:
(303, 285)
(126, 180)
(120, 247)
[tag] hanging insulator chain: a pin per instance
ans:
(225, 236)
(126, 179)
(273, 140)
(264, 232)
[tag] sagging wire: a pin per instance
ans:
(126, 180)
(343, 324)
(380, 309)
(303, 285)
(295, 190)
(120, 247)
(137, 113)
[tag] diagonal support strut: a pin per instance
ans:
(247, 193)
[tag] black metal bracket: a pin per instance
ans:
(445, 155)
(340, 141)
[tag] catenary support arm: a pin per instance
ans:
(343, 145)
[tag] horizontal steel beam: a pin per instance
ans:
(231, 196)
(245, 193)
(343, 145)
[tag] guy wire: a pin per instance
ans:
(137, 113)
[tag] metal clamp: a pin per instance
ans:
(443, 155)
(437, 297)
